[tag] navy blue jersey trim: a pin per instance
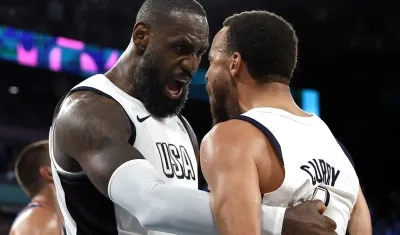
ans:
(347, 153)
(266, 132)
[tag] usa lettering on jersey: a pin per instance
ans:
(176, 161)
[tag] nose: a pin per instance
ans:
(206, 76)
(190, 63)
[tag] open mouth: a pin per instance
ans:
(174, 89)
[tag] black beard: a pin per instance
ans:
(218, 112)
(224, 106)
(149, 85)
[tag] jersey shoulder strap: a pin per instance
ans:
(196, 148)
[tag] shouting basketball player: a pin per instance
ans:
(42, 215)
(263, 143)
(125, 160)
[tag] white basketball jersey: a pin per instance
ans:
(316, 164)
(165, 143)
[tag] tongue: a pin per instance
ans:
(173, 90)
(173, 86)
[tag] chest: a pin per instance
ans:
(167, 146)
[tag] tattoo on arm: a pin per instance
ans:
(95, 131)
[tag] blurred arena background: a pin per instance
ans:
(348, 74)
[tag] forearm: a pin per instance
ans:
(138, 188)
(360, 227)
(360, 223)
(237, 212)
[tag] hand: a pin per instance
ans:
(306, 218)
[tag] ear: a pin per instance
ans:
(140, 36)
(235, 64)
(45, 172)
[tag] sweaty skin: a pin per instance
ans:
(36, 221)
(360, 221)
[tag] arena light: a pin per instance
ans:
(61, 54)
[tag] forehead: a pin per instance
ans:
(188, 24)
(219, 42)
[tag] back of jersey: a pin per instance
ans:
(316, 165)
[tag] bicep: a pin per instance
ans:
(232, 177)
(360, 221)
(228, 161)
(230, 170)
(95, 132)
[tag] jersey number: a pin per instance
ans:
(321, 193)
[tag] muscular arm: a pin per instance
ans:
(228, 156)
(360, 220)
(38, 221)
(95, 130)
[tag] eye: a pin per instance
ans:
(179, 48)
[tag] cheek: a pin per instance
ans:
(218, 79)
(220, 90)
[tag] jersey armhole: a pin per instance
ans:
(202, 182)
(274, 142)
(347, 153)
(78, 176)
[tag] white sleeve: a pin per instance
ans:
(137, 187)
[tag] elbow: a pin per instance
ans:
(140, 199)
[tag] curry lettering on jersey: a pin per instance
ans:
(176, 161)
(321, 172)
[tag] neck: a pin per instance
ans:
(274, 95)
(47, 196)
(121, 73)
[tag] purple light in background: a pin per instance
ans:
(60, 54)
(112, 59)
(27, 57)
(55, 59)
(70, 43)
(87, 63)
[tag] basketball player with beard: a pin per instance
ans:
(125, 161)
(262, 142)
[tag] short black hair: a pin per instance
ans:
(150, 9)
(266, 42)
(27, 165)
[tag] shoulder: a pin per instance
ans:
(87, 103)
(86, 119)
(35, 221)
(232, 139)
(232, 134)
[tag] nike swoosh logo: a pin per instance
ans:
(142, 119)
